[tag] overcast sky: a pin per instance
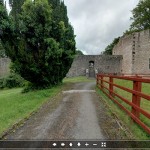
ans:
(97, 22)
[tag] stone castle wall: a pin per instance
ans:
(102, 63)
(124, 48)
(135, 49)
(4, 66)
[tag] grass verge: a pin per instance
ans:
(137, 131)
(14, 105)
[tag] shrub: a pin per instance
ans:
(1, 83)
(13, 80)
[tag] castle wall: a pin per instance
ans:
(4, 66)
(141, 54)
(124, 48)
(135, 49)
(103, 64)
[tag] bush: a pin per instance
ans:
(12, 81)
(31, 87)
(1, 83)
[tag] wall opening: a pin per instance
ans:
(91, 64)
(91, 69)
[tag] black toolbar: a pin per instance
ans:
(75, 144)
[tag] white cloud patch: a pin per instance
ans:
(98, 22)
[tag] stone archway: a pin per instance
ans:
(91, 69)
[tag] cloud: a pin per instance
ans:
(98, 22)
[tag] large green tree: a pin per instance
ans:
(3, 14)
(2, 51)
(16, 6)
(40, 45)
(141, 16)
(65, 38)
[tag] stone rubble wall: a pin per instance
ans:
(4, 66)
(102, 63)
(135, 49)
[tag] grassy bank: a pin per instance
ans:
(15, 106)
(137, 130)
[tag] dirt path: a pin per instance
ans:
(74, 118)
(78, 114)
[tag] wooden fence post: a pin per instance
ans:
(102, 82)
(97, 78)
(110, 86)
(137, 86)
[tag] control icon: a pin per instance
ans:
(62, 144)
(103, 144)
(54, 144)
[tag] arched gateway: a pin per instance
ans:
(91, 69)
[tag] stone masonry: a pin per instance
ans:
(135, 49)
(4, 66)
(101, 63)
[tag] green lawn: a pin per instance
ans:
(15, 105)
(145, 104)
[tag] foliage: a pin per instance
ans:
(109, 48)
(15, 7)
(141, 16)
(2, 51)
(78, 52)
(1, 83)
(41, 42)
(11, 81)
(63, 32)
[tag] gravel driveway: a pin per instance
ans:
(74, 118)
(77, 113)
